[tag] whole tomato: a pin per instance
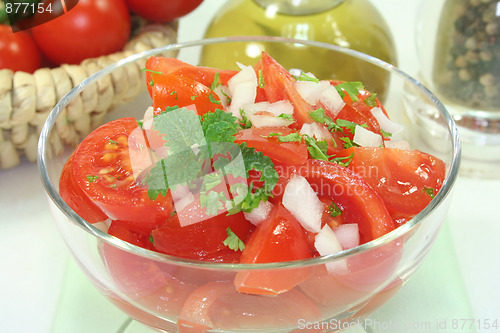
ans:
(162, 10)
(92, 28)
(18, 51)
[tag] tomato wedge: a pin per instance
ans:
(108, 164)
(217, 306)
(278, 238)
(279, 85)
(73, 195)
(359, 202)
(201, 240)
(174, 66)
(292, 153)
(173, 90)
(405, 179)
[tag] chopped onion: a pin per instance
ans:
(277, 108)
(385, 123)
(398, 144)
(326, 243)
(268, 120)
(332, 100)
(311, 91)
(260, 213)
(222, 92)
(347, 235)
(242, 89)
(147, 120)
(181, 203)
(366, 138)
(316, 130)
(301, 200)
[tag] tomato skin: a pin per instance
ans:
(399, 176)
(92, 28)
(279, 85)
(359, 202)
(18, 51)
(107, 164)
(201, 240)
(73, 195)
(278, 238)
(290, 153)
(171, 90)
(174, 66)
(161, 10)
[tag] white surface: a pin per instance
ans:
(42, 290)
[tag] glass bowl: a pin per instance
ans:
(172, 294)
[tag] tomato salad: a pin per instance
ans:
(256, 165)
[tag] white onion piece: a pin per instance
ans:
(277, 108)
(268, 120)
(147, 120)
(398, 144)
(222, 92)
(347, 235)
(182, 203)
(318, 131)
(103, 226)
(260, 213)
(366, 138)
(180, 191)
(243, 93)
(332, 100)
(385, 123)
(242, 89)
(301, 200)
(326, 243)
(311, 91)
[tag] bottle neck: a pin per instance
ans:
(298, 7)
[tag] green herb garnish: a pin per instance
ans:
(233, 241)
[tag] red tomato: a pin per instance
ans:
(358, 201)
(201, 240)
(107, 166)
(290, 153)
(18, 51)
(218, 305)
(171, 90)
(92, 28)
(278, 238)
(161, 10)
(279, 85)
(174, 66)
(400, 177)
(73, 195)
(359, 113)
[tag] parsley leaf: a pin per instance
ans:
(371, 100)
(233, 241)
(334, 210)
(91, 178)
(350, 88)
(304, 77)
(343, 161)
(292, 137)
(317, 149)
(429, 191)
(215, 82)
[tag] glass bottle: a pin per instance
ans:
(354, 24)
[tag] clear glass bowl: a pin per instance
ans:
(172, 294)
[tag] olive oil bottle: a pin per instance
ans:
(354, 24)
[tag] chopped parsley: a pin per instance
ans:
(350, 88)
(371, 100)
(334, 210)
(261, 81)
(431, 192)
(304, 77)
(317, 149)
(91, 178)
(292, 137)
(215, 82)
(233, 241)
(201, 153)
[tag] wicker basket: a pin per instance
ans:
(27, 99)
